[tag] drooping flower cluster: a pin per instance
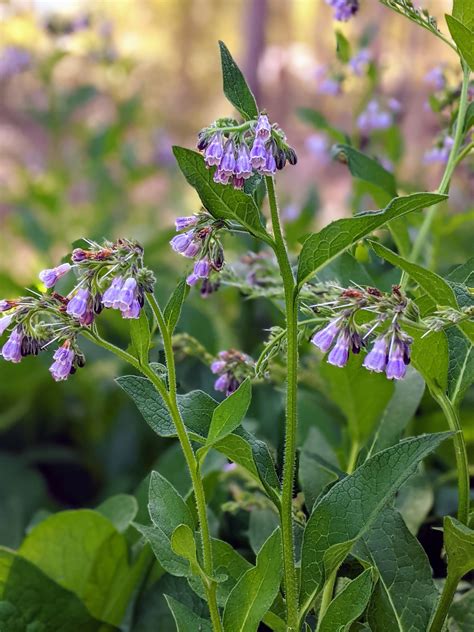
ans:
(239, 151)
(37, 321)
(232, 367)
(343, 10)
(200, 241)
(390, 352)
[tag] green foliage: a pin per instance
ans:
(348, 605)
(459, 543)
(463, 36)
(353, 505)
(186, 620)
(256, 590)
(235, 87)
(323, 247)
(366, 168)
(140, 337)
(173, 308)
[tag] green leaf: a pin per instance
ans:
(230, 413)
(321, 248)
(352, 505)
(84, 553)
(401, 563)
(469, 118)
(348, 388)
(399, 412)
(463, 10)
(197, 408)
(235, 87)
(32, 601)
(172, 311)
(461, 614)
(429, 356)
(186, 620)
(184, 544)
(140, 336)
(461, 365)
(459, 545)
(120, 510)
(463, 37)
(365, 168)
(168, 510)
(254, 593)
(262, 524)
(415, 500)
(318, 121)
(314, 477)
(348, 605)
(223, 202)
(343, 48)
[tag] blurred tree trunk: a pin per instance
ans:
(255, 19)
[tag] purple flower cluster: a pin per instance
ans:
(202, 244)
(374, 118)
(63, 362)
(343, 10)
(360, 61)
(232, 367)
(440, 153)
(436, 78)
(390, 352)
(238, 152)
(124, 295)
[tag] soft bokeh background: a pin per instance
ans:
(91, 102)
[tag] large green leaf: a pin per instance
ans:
(461, 365)
(120, 510)
(352, 505)
(349, 604)
(197, 409)
(186, 619)
(235, 87)
(84, 553)
(30, 601)
(459, 544)
(463, 37)
(463, 10)
(254, 593)
(366, 168)
(399, 412)
(140, 336)
(168, 511)
(220, 200)
(229, 413)
(321, 248)
(405, 595)
(461, 614)
(348, 388)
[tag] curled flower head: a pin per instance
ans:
(232, 367)
(51, 276)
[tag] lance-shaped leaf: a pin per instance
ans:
(366, 168)
(463, 10)
(459, 544)
(352, 505)
(140, 336)
(168, 511)
(197, 409)
(172, 311)
(405, 595)
(256, 590)
(349, 604)
(230, 413)
(321, 248)
(186, 619)
(235, 87)
(463, 36)
(120, 510)
(222, 201)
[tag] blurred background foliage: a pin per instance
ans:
(92, 97)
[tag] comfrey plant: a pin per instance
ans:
(339, 555)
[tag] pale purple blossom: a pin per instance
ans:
(180, 243)
(318, 146)
(185, 222)
(63, 361)
(111, 294)
(376, 359)
(11, 350)
(440, 153)
(243, 168)
(343, 10)
(13, 60)
(214, 150)
(77, 306)
(127, 294)
(258, 154)
(324, 338)
(360, 61)
(192, 279)
(222, 383)
(218, 366)
(436, 78)
(202, 268)
(270, 165)
(339, 354)
(373, 118)
(133, 311)
(51, 276)
(263, 129)
(192, 249)
(396, 365)
(227, 164)
(5, 322)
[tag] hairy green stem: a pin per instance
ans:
(190, 457)
(170, 399)
(448, 172)
(286, 512)
(462, 463)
